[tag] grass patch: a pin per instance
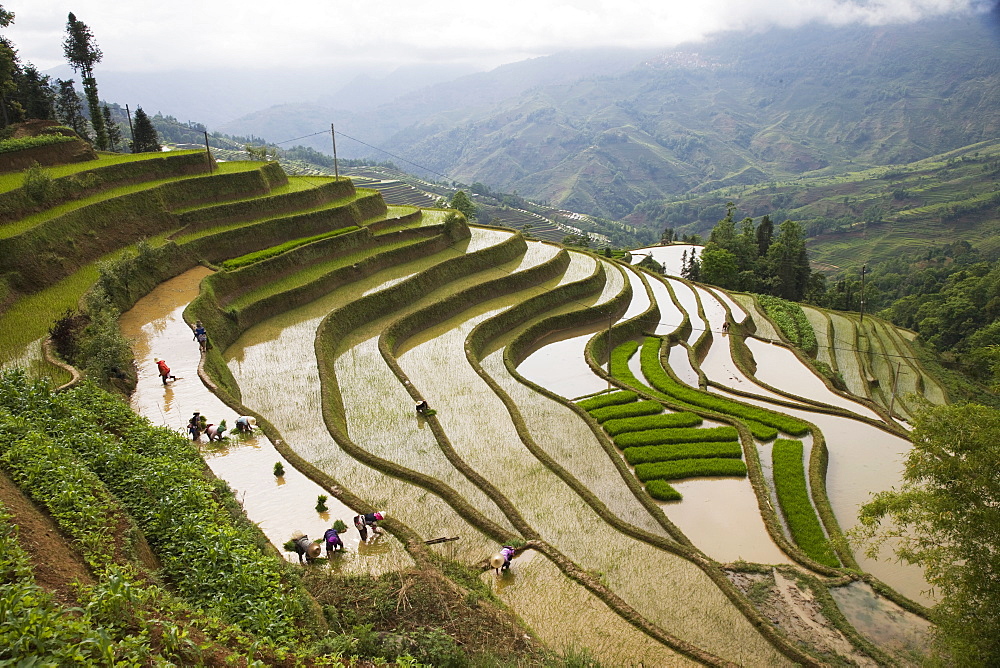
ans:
(612, 399)
(668, 453)
(793, 497)
(626, 410)
(662, 490)
(22, 143)
(791, 320)
(266, 253)
(666, 436)
(691, 468)
(647, 422)
(661, 380)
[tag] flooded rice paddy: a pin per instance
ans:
(275, 365)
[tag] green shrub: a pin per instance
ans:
(665, 436)
(684, 395)
(793, 497)
(662, 490)
(37, 183)
(674, 451)
(690, 468)
(22, 143)
(647, 422)
(609, 399)
(626, 410)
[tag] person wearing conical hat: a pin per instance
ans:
(245, 424)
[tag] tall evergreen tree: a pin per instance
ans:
(461, 202)
(114, 132)
(83, 53)
(146, 139)
(788, 262)
(9, 68)
(35, 92)
(765, 234)
(68, 108)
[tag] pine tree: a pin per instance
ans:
(69, 110)
(114, 132)
(146, 139)
(461, 202)
(82, 53)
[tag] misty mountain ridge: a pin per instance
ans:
(600, 132)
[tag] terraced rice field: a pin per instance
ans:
(517, 346)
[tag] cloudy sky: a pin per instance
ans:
(143, 35)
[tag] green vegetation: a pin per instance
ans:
(662, 490)
(666, 436)
(691, 468)
(666, 453)
(684, 395)
(791, 320)
(648, 422)
(609, 399)
(945, 517)
(793, 497)
(263, 254)
(634, 409)
(21, 143)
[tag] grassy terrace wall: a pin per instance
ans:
(59, 246)
(16, 204)
(259, 207)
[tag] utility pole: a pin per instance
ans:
(333, 136)
(208, 153)
(131, 131)
(895, 380)
(863, 268)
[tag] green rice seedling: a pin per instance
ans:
(279, 469)
(662, 490)
(674, 451)
(610, 399)
(321, 506)
(792, 321)
(339, 526)
(665, 436)
(648, 422)
(761, 432)
(691, 468)
(634, 409)
(682, 394)
(793, 497)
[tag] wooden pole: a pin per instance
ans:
(333, 136)
(895, 380)
(863, 267)
(208, 153)
(131, 131)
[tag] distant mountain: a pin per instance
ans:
(741, 109)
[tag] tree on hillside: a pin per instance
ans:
(115, 138)
(69, 110)
(8, 66)
(787, 263)
(946, 517)
(35, 92)
(461, 203)
(146, 139)
(82, 53)
(765, 234)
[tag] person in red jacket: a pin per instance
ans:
(164, 370)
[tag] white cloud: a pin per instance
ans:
(220, 34)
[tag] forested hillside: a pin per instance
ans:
(742, 109)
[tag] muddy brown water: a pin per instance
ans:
(884, 623)
(280, 506)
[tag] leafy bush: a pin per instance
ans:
(690, 468)
(22, 143)
(610, 399)
(793, 497)
(626, 410)
(662, 490)
(647, 422)
(665, 436)
(37, 183)
(661, 380)
(666, 453)
(257, 256)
